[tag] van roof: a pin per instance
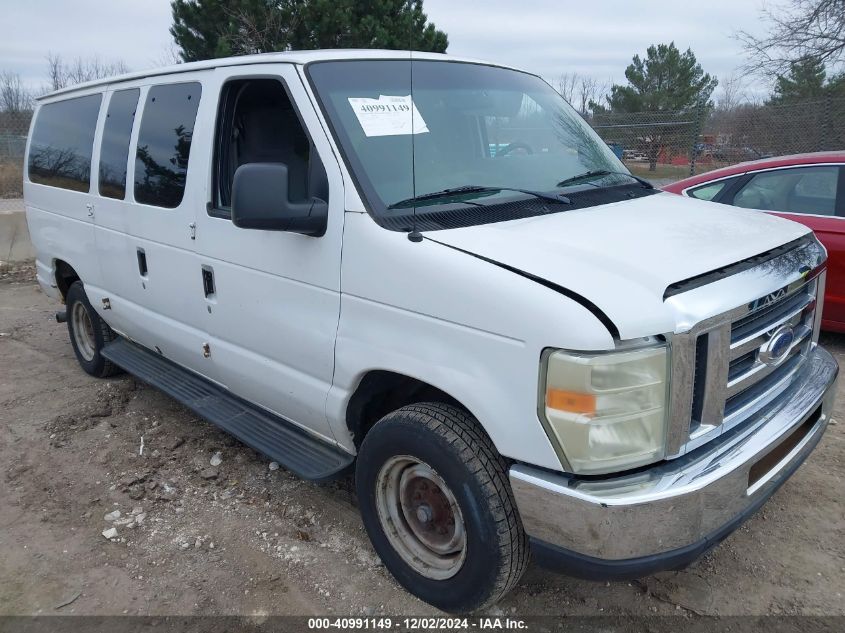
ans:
(288, 57)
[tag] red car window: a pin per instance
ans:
(810, 190)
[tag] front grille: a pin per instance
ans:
(736, 373)
(763, 386)
(769, 316)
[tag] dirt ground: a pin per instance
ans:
(240, 538)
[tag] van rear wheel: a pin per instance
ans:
(88, 333)
(437, 506)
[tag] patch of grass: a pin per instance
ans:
(675, 172)
(667, 172)
(11, 179)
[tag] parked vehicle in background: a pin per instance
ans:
(526, 350)
(634, 155)
(728, 154)
(806, 188)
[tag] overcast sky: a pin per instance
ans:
(548, 37)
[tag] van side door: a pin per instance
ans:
(111, 204)
(273, 297)
(152, 286)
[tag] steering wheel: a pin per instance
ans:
(507, 149)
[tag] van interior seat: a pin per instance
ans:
(267, 130)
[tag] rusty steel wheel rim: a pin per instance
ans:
(421, 517)
(83, 331)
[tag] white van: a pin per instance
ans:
(432, 272)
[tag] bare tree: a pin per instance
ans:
(731, 94)
(14, 95)
(79, 70)
(580, 90)
(55, 72)
(590, 91)
(168, 57)
(797, 29)
(262, 29)
(566, 86)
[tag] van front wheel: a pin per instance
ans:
(437, 505)
(88, 333)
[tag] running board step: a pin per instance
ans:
(282, 441)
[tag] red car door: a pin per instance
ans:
(830, 229)
(831, 233)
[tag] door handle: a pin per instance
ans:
(208, 281)
(142, 262)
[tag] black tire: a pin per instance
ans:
(451, 442)
(100, 333)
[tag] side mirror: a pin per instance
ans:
(260, 201)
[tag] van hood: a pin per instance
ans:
(622, 256)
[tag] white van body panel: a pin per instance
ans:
(470, 329)
(299, 58)
(61, 225)
(164, 309)
(624, 255)
(271, 324)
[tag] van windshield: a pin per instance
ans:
(470, 144)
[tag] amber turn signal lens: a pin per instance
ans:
(570, 401)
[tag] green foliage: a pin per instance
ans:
(669, 83)
(665, 81)
(201, 28)
(217, 28)
(806, 80)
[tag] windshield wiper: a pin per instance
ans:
(466, 189)
(596, 173)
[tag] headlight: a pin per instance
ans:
(607, 412)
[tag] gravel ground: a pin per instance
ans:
(241, 538)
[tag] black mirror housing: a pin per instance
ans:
(260, 201)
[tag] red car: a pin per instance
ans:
(806, 188)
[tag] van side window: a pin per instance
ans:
(257, 123)
(114, 149)
(63, 143)
(164, 143)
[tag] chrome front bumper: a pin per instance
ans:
(666, 516)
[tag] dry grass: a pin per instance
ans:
(11, 180)
(667, 172)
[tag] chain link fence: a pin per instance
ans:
(660, 146)
(14, 127)
(668, 146)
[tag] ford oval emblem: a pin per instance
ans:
(778, 346)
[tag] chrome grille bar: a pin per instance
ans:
(760, 370)
(758, 335)
(719, 377)
(718, 347)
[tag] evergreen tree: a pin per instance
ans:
(806, 81)
(217, 28)
(666, 80)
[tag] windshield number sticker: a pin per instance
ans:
(388, 116)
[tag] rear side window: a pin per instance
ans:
(708, 191)
(114, 150)
(164, 143)
(63, 143)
